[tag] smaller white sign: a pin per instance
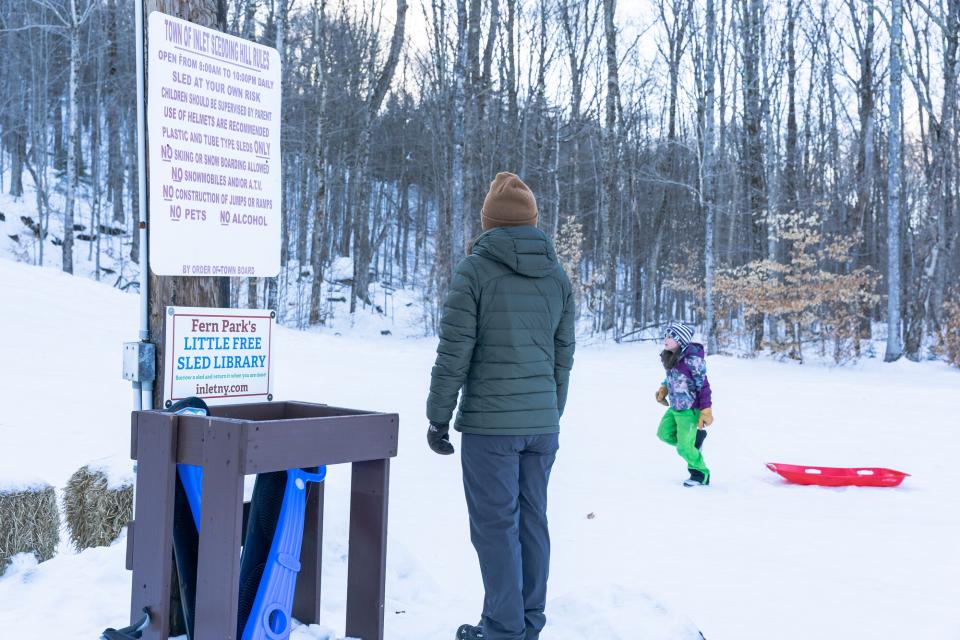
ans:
(219, 355)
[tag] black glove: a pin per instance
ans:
(438, 437)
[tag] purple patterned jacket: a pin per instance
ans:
(687, 382)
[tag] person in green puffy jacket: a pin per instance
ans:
(506, 350)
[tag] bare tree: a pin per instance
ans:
(752, 164)
(611, 165)
(707, 177)
(68, 22)
(457, 210)
(940, 239)
(894, 160)
(363, 245)
(747, 114)
(579, 23)
(317, 257)
(179, 290)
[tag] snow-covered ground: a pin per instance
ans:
(748, 557)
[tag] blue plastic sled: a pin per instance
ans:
(270, 616)
(274, 574)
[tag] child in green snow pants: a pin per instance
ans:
(679, 429)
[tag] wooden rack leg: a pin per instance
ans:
(366, 571)
(156, 438)
(221, 521)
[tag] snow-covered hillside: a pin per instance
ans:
(747, 558)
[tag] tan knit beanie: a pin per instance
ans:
(509, 203)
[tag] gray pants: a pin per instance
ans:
(505, 481)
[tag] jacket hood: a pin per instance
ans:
(526, 250)
(694, 349)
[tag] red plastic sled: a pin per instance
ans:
(839, 476)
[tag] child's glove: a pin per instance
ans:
(706, 418)
(662, 395)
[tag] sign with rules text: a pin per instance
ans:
(213, 112)
(220, 355)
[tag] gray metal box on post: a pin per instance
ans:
(139, 362)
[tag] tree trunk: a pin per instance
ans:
(894, 155)
(752, 166)
(707, 184)
(317, 254)
(15, 125)
(95, 163)
(771, 168)
(130, 168)
(59, 147)
(271, 283)
(791, 176)
(115, 123)
(73, 140)
(473, 155)
(513, 118)
(362, 245)
(457, 213)
(946, 230)
(865, 158)
(578, 21)
(17, 141)
(611, 163)
(925, 307)
(180, 291)
(249, 19)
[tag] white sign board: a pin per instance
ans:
(213, 113)
(220, 355)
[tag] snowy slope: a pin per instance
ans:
(748, 557)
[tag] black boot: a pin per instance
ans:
(697, 477)
(470, 632)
